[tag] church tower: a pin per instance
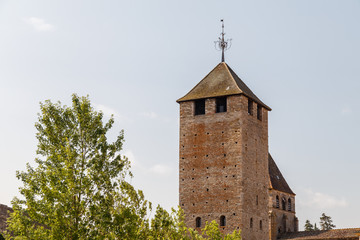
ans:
(224, 159)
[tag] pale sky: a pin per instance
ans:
(135, 58)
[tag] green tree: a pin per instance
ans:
(316, 228)
(78, 190)
(168, 226)
(308, 226)
(326, 223)
(172, 226)
(1, 237)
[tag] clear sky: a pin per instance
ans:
(135, 58)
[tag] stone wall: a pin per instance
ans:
(283, 218)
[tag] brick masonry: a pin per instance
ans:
(223, 167)
(4, 214)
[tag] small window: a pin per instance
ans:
(200, 107)
(250, 106)
(283, 204)
(221, 104)
(251, 222)
(198, 222)
(277, 202)
(260, 224)
(222, 221)
(259, 112)
(289, 204)
(257, 200)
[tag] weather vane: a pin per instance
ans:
(221, 44)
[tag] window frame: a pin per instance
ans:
(222, 221)
(198, 222)
(289, 205)
(250, 107)
(199, 106)
(259, 112)
(283, 203)
(220, 102)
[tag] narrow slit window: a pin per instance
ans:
(222, 221)
(283, 204)
(200, 107)
(221, 105)
(289, 204)
(198, 222)
(260, 225)
(259, 112)
(250, 106)
(251, 222)
(277, 202)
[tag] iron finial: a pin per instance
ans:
(222, 44)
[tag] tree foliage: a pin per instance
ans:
(172, 226)
(79, 188)
(326, 223)
(316, 228)
(308, 226)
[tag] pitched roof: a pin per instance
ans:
(277, 181)
(334, 234)
(221, 81)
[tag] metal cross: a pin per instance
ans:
(221, 44)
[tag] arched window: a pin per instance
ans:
(283, 204)
(222, 221)
(260, 224)
(198, 222)
(289, 204)
(251, 222)
(277, 202)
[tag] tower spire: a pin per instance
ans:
(222, 44)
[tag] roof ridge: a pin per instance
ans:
(245, 89)
(232, 77)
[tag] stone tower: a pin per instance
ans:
(224, 163)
